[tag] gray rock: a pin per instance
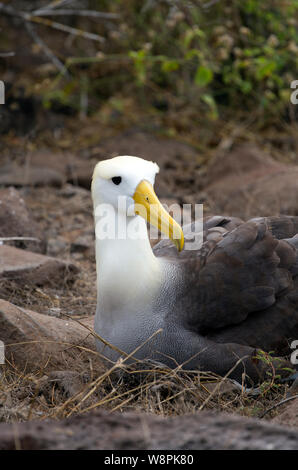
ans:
(80, 174)
(127, 431)
(34, 341)
(16, 221)
(13, 175)
(288, 413)
(246, 182)
(67, 165)
(26, 267)
(83, 243)
(57, 246)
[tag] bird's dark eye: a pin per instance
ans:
(117, 179)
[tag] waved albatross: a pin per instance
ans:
(214, 305)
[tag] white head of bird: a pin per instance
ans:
(125, 184)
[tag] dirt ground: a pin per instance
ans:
(62, 209)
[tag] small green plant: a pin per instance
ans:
(275, 367)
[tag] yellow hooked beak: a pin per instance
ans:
(149, 207)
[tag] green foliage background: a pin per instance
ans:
(233, 53)
(213, 56)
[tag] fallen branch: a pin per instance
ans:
(209, 4)
(7, 54)
(30, 17)
(278, 404)
(36, 38)
(66, 29)
(55, 4)
(27, 239)
(76, 12)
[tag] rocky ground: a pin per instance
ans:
(126, 431)
(48, 296)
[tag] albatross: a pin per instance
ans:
(211, 308)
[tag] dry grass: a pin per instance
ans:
(77, 300)
(140, 386)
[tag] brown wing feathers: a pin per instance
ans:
(250, 282)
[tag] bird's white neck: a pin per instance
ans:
(128, 273)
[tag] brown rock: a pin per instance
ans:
(44, 168)
(57, 246)
(80, 174)
(15, 221)
(58, 161)
(13, 175)
(133, 431)
(34, 341)
(142, 144)
(83, 242)
(71, 168)
(246, 160)
(247, 182)
(288, 416)
(39, 168)
(26, 267)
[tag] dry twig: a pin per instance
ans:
(76, 12)
(38, 17)
(278, 404)
(37, 39)
(7, 54)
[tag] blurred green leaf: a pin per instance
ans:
(191, 34)
(170, 65)
(246, 86)
(203, 76)
(209, 100)
(140, 65)
(265, 67)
